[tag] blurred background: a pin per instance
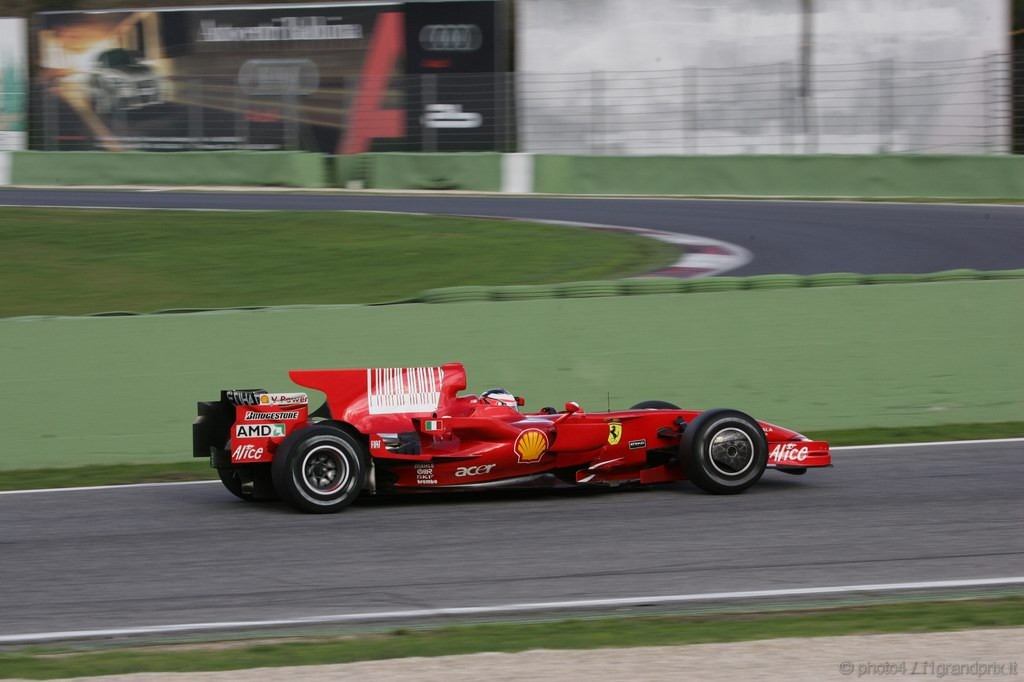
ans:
(595, 77)
(387, 174)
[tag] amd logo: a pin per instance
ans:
(259, 431)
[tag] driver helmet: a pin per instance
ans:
(499, 396)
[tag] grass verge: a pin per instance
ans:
(199, 470)
(79, 261)
(50, 663)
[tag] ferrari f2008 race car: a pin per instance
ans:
(407, 429)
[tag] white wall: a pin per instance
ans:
(5, 168)
(721, 76)
(13, 61)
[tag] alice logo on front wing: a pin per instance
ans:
(530, 445)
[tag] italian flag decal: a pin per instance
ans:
(433, 425)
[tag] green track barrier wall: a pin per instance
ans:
(965, 177)
(479, 172)
(675, 285)
(344, 169)
(290, 169)
(109, 390)
(805, 176)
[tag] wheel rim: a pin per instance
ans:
(731, 452)
(325, 470)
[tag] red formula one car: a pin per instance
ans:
(408, 430)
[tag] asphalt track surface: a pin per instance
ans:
(784, 236)
(112, 558)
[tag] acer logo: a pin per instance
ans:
(462, 472)
(247, 451)
(788, 452)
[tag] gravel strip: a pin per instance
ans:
(946, 655)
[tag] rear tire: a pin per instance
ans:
(262, 488)
(320, 469)
(724, 452)
(232, 481)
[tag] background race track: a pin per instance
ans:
(115, 558)
(784, 236)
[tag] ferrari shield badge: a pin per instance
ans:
(530, 445)
(614, 433)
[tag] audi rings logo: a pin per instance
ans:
(451, 37)
(279, 77)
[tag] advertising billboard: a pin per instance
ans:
(322, 77)
(13, 84)
(460, 51)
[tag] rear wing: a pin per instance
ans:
(385, 400)
(245, 423)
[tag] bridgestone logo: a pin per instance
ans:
(271, 416)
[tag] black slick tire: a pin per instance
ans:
(724, 452)
(320, 469)
(655, 405)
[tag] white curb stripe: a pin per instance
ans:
(36, 637)
(694, 263)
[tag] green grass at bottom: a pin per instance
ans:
(594, 633)
(199, 469)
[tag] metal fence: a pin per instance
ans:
(872, 107)
(886, 106)
(12, 124)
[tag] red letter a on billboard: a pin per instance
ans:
(367, 120)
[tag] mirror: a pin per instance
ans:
(571, 407)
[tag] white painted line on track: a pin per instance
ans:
(104, 487)
(938, 443)
(164, 208)
(35, 637)
(883, 446)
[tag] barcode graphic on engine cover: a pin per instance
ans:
(392, 390)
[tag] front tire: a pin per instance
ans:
(724, 452)
(320, 469)
(655, 405)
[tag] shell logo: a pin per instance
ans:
(530, 445)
